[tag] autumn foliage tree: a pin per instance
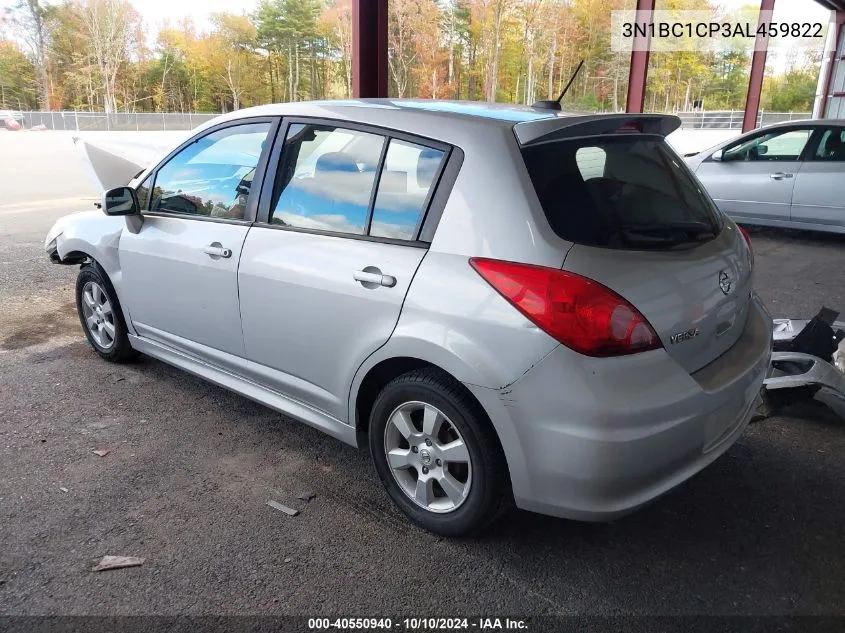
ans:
(96, 55)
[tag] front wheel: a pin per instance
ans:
(101, 316)
(437, 454)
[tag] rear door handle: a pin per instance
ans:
(373, 276)
(779, 175)
(215, 249)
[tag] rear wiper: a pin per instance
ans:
(691, 229)
(674, 234)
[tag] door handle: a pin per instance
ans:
(779, 175)
(215, 249)
(373, 276)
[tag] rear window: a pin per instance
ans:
(620, 192)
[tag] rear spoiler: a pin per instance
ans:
(560, 127)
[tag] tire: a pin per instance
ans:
(96, 300)
(480, 487)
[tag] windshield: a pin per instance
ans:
(626, 191)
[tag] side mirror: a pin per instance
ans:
(121, 201)
(762, 149)
(717, 155)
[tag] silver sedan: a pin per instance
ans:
(787, 175)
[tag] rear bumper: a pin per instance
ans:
(599, 438)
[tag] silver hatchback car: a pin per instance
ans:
(506, 304)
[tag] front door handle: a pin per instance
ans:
(215, 250)
(371, 277)
(779, 175)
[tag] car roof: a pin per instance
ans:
(803, 122)
(443, 119)
(494, 113)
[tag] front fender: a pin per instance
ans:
(97, 236)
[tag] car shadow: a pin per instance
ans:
(793, 235)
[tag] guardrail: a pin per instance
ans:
(732, 119)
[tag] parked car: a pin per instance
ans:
(504, 303)
(11, 120)
(787, 174)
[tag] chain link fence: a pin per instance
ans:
(127, 121)
(115, 121)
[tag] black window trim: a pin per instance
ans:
(812, 129)
(821, 129)
(432, 206)
(253, 199)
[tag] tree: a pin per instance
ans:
(235, 43)
(289, 28)
(29, 18)
(17, 79)
(336, 24)
(110, 24)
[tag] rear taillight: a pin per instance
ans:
(579, 312)
(748, 242)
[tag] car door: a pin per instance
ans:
(326, 268)
(180, 268)
(819, 196)
(754, 178)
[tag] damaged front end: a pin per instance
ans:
(808, 362)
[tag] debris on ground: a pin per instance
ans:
(287, 560)
(307, 496)
(102, 452)
(808, 363)
(118, 562)
(63, 489)
(280, 506)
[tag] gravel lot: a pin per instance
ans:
(191, 467)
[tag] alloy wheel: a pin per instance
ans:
(98, 314)
(428, 457)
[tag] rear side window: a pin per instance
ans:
(406, 179)
(620, 192)
(832, 146)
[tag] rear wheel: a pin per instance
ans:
(101, 316)
(436, 453)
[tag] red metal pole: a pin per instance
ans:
(369, 48)
(831, 61)
(638, 72)
(758, 69)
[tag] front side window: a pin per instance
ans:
(771, 146)
(143, 193)
(832, 146)
(212, 177)
(406, 179)
(325, 179)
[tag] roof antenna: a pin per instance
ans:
(549, 104)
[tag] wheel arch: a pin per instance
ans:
(399, 357)
(96, 242)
